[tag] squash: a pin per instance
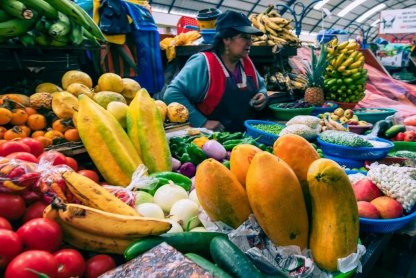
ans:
(335, 226)
(240, 159)
(299, 154)
(276, 199)
(220, 194)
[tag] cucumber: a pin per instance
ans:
(207, 265)
(186, 242)
(228, 257)
(394, 130)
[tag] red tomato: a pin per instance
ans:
(36, 147)
(56, 157)
(70, 263)
(98, 264)
(10, 246)
(33, 211)
(12, 206)
(41, 234)
(90, 174)
(71, 162)
(24, 156)
(5, 224)
(27, 264)
(12, 147)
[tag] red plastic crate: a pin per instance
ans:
(185, 21)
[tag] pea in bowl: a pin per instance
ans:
(265, 132)
(373, 115)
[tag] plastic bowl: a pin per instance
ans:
(320, 110)
(261, 136)
(357, 153)
(386, 225)
(208, 35)
(346, 105)
(359, 129)
(286, 114)
(373, 117)
(345, 162)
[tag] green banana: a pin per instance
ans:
(27, 39)
(89, 37)
(43, 25)
(64, 18)
(60, 41)
(16, 27)
(42, 39)
(76, 34)
(59, 29)
(42, 6)
(4, 16)
(17, 9)
(77, 14)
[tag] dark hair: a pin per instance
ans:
(218, 44)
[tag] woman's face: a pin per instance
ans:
(238, 46)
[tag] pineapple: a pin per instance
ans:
(315, 71)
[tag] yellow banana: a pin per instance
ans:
(110, 224)
(278, 40)
(273, 13)
(356, 64)
(341, 68)
(259, 43)
(261, 27)
(339, 60)
(279, 20)
(347, 62)
(270, 30)
(50, 213)
(253, 19)
(333, 42)
(352, 45)
(94, 195)
(271, 24)
(345, 50)
(342, 46)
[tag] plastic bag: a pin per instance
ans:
(17, 175)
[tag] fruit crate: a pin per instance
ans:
(68, 148)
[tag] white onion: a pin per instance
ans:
(184, 211)
(143, 197)
(168, 194)
(199, 229)
(176, 228)
(150, 210)
(194, 197)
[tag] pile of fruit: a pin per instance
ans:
(46, 22)
(345, 75)
(277, 30)
(340, 117)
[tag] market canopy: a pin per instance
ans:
(347, 15)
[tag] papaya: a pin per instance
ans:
(106, 142)
(146, 131)
(240, 159)
(276, 198)
(220, 194)
(335, 223)
(299, 154)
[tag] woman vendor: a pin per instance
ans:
(221, 87)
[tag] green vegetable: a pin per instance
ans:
(230, 144)
(394, 130)
(406, 154)
(228, 257)
(226, 163)
(186, 242)
(197, 154)
(151, 188)
(344, 138)
(207, 265)
(273, 129)
(178, 179)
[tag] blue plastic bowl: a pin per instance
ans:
(373, 117)
(345, 162)
(320, 110)
(261, 136)
(386, 225)
(208, 35)
(354, 153)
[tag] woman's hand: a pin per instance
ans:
(214, 125)
(259, 101)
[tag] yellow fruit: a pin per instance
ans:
(130, 88)
(47, 88)
(76, 76)
(111, 82)
(78, 89)
(103, 98)
(119, 111)
(64, 104)
(163, 109)
(41, 100)
(177, 113)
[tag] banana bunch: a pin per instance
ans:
(345, 76)
(278, 81)
(47, 22)
(277, 30)
(95, 230)
(298, 81)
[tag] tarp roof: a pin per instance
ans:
(313, 22)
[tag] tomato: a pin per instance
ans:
(41, 234)
(10, 246)
(98, 264)
(33, 211)
(27, 264)
(24, 156)
(70, 263)
(5, 224)
(12, 147)
(12, 206)
(90, 174)
(53, 156)
(36, 147)
(71, 162)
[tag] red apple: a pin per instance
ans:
(367, 210)
(366, 190)
(388, 207)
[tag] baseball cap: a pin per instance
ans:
(237, 21)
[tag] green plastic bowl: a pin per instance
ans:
(404, 146)
(286, 114)
(373, 117)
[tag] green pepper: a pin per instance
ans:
(191, 138)
(222, 136)
(197, 155)
(151, 188)
(185, 157)
(177, 178)
(226, 163)
(261, 146)
(232, 136)
(230, 144)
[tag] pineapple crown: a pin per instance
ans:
(315, 70)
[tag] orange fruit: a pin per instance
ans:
(5, 116)
(30, 110)
(44, 140)
(36, 121)
(52, 134)
(61, 125)
(25, 129)
(14, 133)
(71, 135)
(38, 133)
(19, 116)
(2, 131)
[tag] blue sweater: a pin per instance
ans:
(190, 86)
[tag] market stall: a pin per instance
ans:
(100, 177)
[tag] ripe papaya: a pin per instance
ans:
(240, 160)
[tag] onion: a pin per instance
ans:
(199, 229)
(185, 212)
(143, 197)
(168, 194)
(176, 164)
(176, 228)
(194, 197)
(187, 169)
(150, 210)
(214, 150)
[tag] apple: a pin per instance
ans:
(354, 117)
(339, 112)
(348, 113)
(366, 190)
(352, 122)
(343, 120)
(367, 210)
(334, 117)
(119, 111)
(388, 207)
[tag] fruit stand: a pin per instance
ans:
(100, 179)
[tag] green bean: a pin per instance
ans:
(274, 129)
